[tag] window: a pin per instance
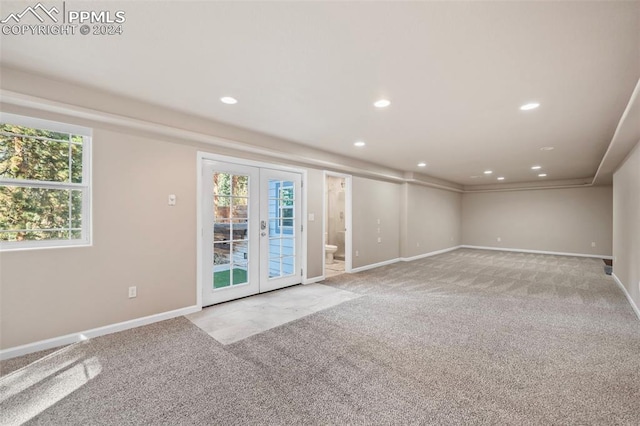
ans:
(44, 183)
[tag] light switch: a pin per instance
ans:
(172, 199)
(312, 217)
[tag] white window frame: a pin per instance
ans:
(85, 186)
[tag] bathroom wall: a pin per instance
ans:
(335, 217)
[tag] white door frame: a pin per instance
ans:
(348, 204)
(200, 157)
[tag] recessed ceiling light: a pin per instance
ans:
(359, 144)
(546, 148)
(488, 172)
(529, 106)
(422, 164)
(382, 103)
(536, 167)
(542, 175)
(228, 100)
(501, 178)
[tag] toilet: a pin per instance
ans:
(329, 250)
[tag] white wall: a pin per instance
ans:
(556, 220)
(626, 224)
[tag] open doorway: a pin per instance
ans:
(337, 224)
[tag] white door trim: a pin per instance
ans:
(348, 204)
(200, 157)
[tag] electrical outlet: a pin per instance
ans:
(357, 253)
(498, 239)
(133, 292)
(593, 243)
(171, 199)
(379, 239)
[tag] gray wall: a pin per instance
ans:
(626, 224)
(433, 220)
(315, 239)
(375, 201)
(557, 220)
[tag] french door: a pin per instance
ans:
(251, 230)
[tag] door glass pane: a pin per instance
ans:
(240, 251)
(231, 226)
(240, 273)
(221, 265)
(239, 207)
(222, 209)
(274, 268)
(240, 186)
(274, 228)
(240, 229)
(281, 228)
(221, 184)
(288, 265)
(288, 247)
(275, 248)
(222, 231)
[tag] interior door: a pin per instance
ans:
(280, 229)
(231, 231)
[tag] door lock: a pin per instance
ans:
(263, 224)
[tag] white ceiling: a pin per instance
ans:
(456, 74)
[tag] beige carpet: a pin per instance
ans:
(467, 337)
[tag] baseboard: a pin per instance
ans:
(555, 253)
(431, 253)
(374, 265)
(402, 259)
(95, 332)
(626, 293)
(312, 280)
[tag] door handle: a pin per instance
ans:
(263, 224)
